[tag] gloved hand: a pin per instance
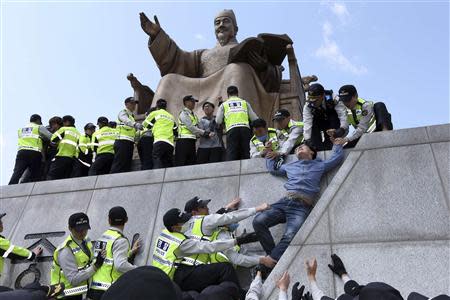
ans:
(338, 266)
(138, 126)
(307, 296)
(246, 238)
(100, 259)
(206, 133)
(339, 132)
(297, 293)
(279, 162)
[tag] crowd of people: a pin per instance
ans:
(60, 151)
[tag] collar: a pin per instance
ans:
(115, 229)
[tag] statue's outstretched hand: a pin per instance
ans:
(150, 28)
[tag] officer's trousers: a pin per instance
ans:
(102, 164)
(123, 155)
(27, 159)
(185, 152)
(60, 168)
(319, 137)
(80, 168)
(198, 278)
(209, 155)
(238, 143)
(145, 149)
(162, 155)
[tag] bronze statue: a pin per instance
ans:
(206, 73)
(143, 94)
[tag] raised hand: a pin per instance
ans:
(297, 293)
(311, 269)
(150, 28)
(284, 281)
(337, 267)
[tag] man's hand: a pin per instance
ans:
(262, 207)
(297, 293)
(136, 246)
(138, 126)
(234, 204)
(307, 296)
(337, 267)
(268, 261)
(37, 251)
(284, 281)
(340, 141)
(211, 134)
(257, 61)
(246, 238)
(150, 28)
(331, 132)
(272, 154)
(311, 269)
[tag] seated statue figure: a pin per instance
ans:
(206, 73)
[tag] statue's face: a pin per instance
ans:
(224, 30)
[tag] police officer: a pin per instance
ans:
(173, 250)
(73, 260)
(236, 113)
(8, 250)
(320, 113)
(205, 226)
(102, 148)
(264, 139)
(124, 144)
(29, 155)
(164, 128)
(84, 152)
(289, 132)
(67, 140)
(118, 254)
(188, 131)
(145, 145)
(364, 116)
(54, 124)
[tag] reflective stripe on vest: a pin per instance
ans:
(183, 131)
(164, 256)
(29, 138)
(272, 135)
(82, 260)
(197, 234)
(235, 112)
(219, 257)
(68, 143)
(107, 274)
(105, 140)
(285, 132)
(126, 132)
(355, 115)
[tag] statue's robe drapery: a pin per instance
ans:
(206, 74)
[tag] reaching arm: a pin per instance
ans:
(308, 121)
(58, 135)
(254, 292)
(364, 122)
(123, 117)
(211, 222)
(69, 266)
(120, 255)
(236, 258)
(149, 121)
(289, 144)
(341, 111)
(254, 153)
(270, 164)
(335, 159)
(219, 116)
(251, 113)
(8, 250)
(191, 246)
(186, 120)
(44, 133)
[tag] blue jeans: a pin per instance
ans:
(286, 210)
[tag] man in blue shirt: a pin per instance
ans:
(302, 186)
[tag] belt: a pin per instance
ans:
(300, 198)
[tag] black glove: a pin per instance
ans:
(307, 296)
(279, 161)
(297, 293)
(338, 266)
(206, 133)
(99, 260)
(246, 238)
(339, 133)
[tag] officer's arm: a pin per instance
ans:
(219, 116)
(254, 153)
(94, 144)
(251, 113)
(341, 111)
(69, 266)
(58, 135)
(308, 121)
(270, 164)
(149, 122)
(336, 157)
(236, 258)
(191, 246)
(255, 290)
(211, 222)
(83, 147)
(175, 129)
(44, 133)
(8, 250)
(364, 122)
(120, 255)
(123, 117)
(185, 118)
(289, 144)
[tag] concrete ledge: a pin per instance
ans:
(221, 169)
(130, 178)
(64, 185)
(16, 190)
(438, 133)
(394, 138)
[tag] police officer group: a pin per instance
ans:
(61, 151)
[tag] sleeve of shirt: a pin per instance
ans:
(341, 111)
(149, 121)
(211, 222)
(251, 113)
(8, 250)
(69, 266)
(270, 164)
(94, 144)
(185, 118)
(364, 122)
(236, 258)
(316, 292)
(254, 292)
(287, 146)
(283, 295)
(219, 116)
(58, 135)
(254, 153)
(123, 117)
(336, 157)
(191, 246)
(44, 133)
(120, 256)
(307, 121)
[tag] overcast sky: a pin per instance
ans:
(73, 57)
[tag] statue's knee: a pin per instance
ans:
(168, 81)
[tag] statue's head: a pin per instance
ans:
(225, 26)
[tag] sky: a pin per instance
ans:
(72, 57)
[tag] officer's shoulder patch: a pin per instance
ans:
(364, 112)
